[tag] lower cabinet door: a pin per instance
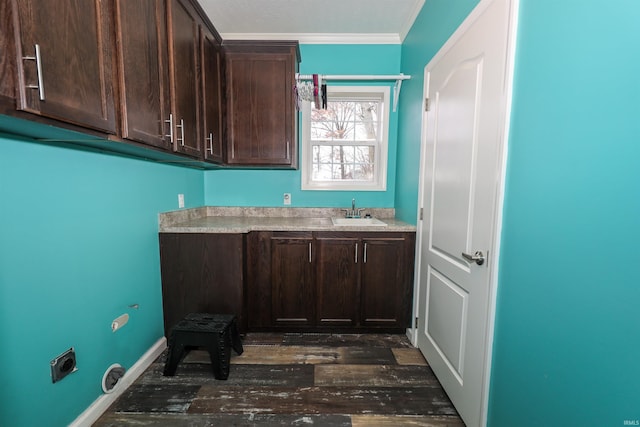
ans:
(292, 292)
(382, 283)
(337, 280)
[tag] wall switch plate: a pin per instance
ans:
(287, 198)
(181, 200)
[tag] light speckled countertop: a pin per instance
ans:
(243, 220)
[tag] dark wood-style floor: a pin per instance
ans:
(370, 380)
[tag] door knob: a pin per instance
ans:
(478, 257)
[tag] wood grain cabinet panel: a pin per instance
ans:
(141, 36)
(258, 286)
(262, 120)
(212, 112)
(202, 273)
(280, 283)
(330, 281)
(184, 48)
(337, 280)
(64, 61)
(386, 280)
(292, 279)
(8, 58)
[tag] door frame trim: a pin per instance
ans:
(500, 184)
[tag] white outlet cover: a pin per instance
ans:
(181, 200)
(287, 198)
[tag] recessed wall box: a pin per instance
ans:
(63, 365)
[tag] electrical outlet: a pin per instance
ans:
(287, 198)
(181, 200)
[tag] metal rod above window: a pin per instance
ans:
(363, 77)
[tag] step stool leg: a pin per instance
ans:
(236, 342)
(176, 351)
(220, 359)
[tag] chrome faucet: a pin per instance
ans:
(353, 213)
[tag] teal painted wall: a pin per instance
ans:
(78, 244)
(437, 20)
(567, 340)
(266, 187)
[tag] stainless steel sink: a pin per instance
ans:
(358, 222)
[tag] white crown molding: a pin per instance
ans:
(417, 7)
(320, 38)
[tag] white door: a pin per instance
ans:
(466, 85)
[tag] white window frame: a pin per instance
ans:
(379, 182)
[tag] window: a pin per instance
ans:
(344, 147)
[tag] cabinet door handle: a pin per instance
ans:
(170, 121)
(288, 149)
(181, 126)
(365, 254)
(356, 253)
(38, 59)
(309, 252)
(210, 139)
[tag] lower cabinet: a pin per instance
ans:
(280, 288)
(386, 281)
(337, 280)
(202, 273)
(291, 281)
(329, 281)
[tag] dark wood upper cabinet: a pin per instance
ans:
(184, 51)
(262, 119)
(148, 73)
(212, 96)
(64, 55)
(141, 43)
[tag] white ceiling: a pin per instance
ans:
(314, 21)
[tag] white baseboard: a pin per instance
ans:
(411, 334)
(102, 403)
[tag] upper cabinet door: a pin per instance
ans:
(262, 120)
(143, 71)
(63, 51)
(211, 59)
(183, 66)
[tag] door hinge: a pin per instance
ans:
(421, 214)
(416, 324)
(427, 104)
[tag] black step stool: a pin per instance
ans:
(217, 333)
